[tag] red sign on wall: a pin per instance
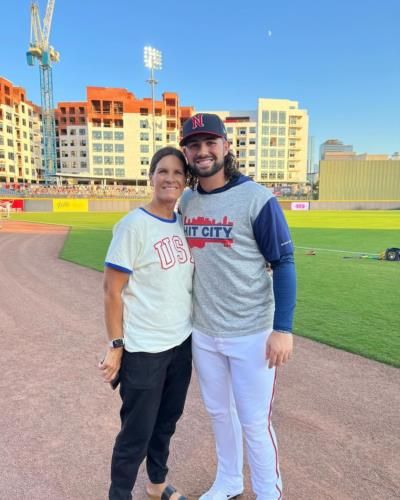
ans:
(15, 205)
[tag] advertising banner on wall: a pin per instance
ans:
(11, 204)
(300, 205)
(70, 205)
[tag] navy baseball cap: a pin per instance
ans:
(203, 123)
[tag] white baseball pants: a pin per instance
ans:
(238, 388)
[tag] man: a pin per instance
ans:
(242, 317)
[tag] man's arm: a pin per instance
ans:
(114, 283)
(280, 343)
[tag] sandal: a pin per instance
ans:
(166, 494)
(169, 491)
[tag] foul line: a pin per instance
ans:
(336, 251)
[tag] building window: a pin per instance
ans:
(82, 131)
(144, 136)
(98, 171)
(272, 141)
(265, 130)
(143, 172)
(264, 141)
(119, 160)
(281, 175)
(252, 130)
(119, 172)
(108, 148)
(144, 124)
(109, 171)
(281, 164)
(265, 117)
(108, 160)
(96, 134)
(119, 148)
(98, 160)
(158, 137)
(282, 117)
(281, 153)
(252, 152)
(144, 148)
(264, 153)
(72, 131)
(272, 164)
(119, 136)
(144, 161)
(272, 153)
(281, 141)
(107, 135)
(83, 164)
(97, 147)
(82, 154)
(274, 117)
(82, 142)
(229, 130)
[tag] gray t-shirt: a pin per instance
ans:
(232, 290)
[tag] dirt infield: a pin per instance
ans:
(337, 415)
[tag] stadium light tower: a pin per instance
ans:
(153, 61)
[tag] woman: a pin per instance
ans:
(147, 286)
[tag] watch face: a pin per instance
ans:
(118, 343)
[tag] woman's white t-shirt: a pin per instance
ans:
(158, 296)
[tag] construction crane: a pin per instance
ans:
(40, 50)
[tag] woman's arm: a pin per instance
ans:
(114, 283)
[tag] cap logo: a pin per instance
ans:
(197, 121)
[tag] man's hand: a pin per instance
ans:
(111, 364)
(279, 348)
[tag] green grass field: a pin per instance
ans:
(350, 304)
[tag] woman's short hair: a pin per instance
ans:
(167, 151)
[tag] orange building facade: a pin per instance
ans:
(20, 136)
(112, 136)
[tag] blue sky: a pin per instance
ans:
(339, 59)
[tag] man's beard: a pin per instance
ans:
(209, 173)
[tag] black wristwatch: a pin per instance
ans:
(115, 343)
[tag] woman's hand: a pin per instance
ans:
(111, 364)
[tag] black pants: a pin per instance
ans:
(153, 392)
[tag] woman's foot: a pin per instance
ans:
(164, 491)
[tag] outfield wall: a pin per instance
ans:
(355, 205)
(125, 205)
